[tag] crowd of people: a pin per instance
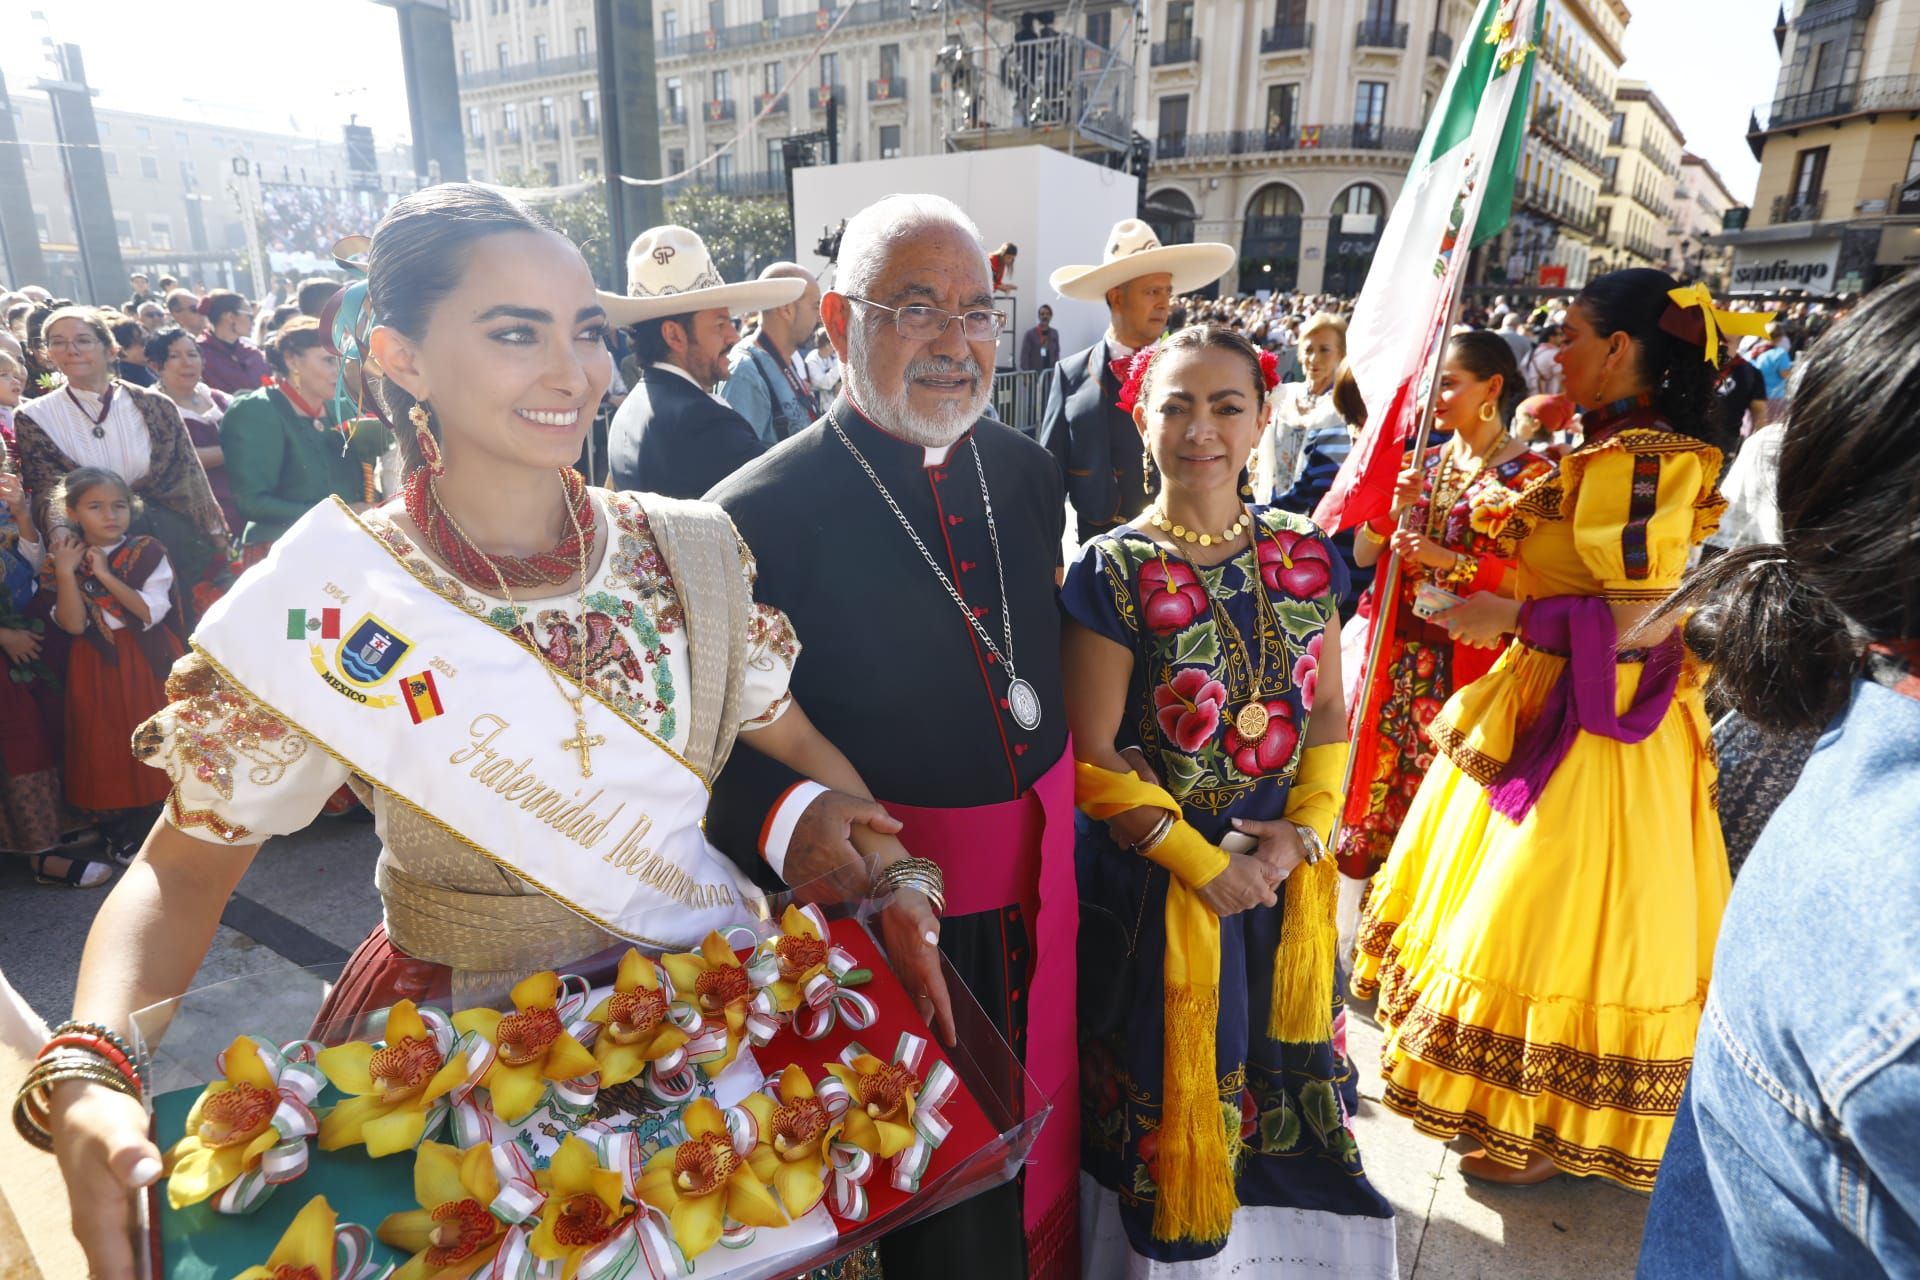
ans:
(1166, 805)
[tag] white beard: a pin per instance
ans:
(894, 412)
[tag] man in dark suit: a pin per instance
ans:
(1096, 444)
(670, 435)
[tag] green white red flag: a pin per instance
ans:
(1458, 195)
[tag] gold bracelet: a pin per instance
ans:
(921, 875)
(33, 1104)
(1156, 835)
(918, 882)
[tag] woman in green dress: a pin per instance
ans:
(292, 444)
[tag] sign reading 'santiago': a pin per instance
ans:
(1793, 264)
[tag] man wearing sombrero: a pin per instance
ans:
(1094, 441)
(671, 436)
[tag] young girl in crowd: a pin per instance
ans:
(13, 385)
(114, 594)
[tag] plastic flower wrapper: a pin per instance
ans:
(638, 1033)
(790, 1154)
(402, 1090)
(533, 1048)
(729, 998)
(585, 1211)
(317, 1247)
(454, 1233)
(816, 978)
(247, 1132)
(707, 1180)
(888, 1110)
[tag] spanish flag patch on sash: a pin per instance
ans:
(423, 699)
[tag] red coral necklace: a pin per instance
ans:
(542, 569)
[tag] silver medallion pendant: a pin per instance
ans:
(1024, 703)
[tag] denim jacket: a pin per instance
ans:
(1797, 1149)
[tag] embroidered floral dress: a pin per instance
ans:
(1421, 664)
(1300, 1184)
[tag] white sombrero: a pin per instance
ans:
(670, 273)
(1133, 250)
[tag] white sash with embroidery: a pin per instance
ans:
(455, 718)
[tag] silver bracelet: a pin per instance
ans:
(1316, 847)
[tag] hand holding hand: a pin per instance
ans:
(1280, 847)
(822, 864)
(1421, 550)
(97, 564)
(100, 1139)
(1483, 619)
(1247, 882)
(910, 931)
(68, 552)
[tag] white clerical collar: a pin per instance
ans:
(937, 455)
(931, 455)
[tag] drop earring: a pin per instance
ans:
(423, 435)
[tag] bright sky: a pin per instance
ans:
(275, 64)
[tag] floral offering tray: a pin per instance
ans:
(750, 1109)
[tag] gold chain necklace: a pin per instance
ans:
(1252, 720)
(581, 741)
(1159, 520)
(1445, 495)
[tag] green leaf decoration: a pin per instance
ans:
(1198, 646)
(1279, 1129)
(1322, 1109)
(1183, 773)
(1300, 618)
(1143, 1186)
(857, 978)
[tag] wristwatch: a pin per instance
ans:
(1316, 847)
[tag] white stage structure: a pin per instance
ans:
(1056, 208)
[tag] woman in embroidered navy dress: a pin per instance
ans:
(1214, 651)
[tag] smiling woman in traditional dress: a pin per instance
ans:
(530, 679)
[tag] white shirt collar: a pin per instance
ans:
(937, 455)
(1116, 349)
(674, 368)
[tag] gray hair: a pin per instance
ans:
(872, 234)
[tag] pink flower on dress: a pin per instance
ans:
(1271, 753)
(1188, 708)
(1306, 671)
(1171, 596)
(1295, 562)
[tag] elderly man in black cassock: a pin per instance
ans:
(1094, 441)
(913, 541)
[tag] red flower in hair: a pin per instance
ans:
(1270, 369)
(1132, 371)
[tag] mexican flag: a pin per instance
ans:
(1457, 196)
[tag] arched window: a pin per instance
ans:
(1270, 239)
(1353, 234)
(1362, 197)
(1171, 214)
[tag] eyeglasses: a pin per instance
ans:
(920, 323)
(85, 342)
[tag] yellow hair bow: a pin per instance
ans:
(1713, 321)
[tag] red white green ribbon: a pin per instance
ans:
(827, 998)
(930, 1128)
(353, 1255)
(849, 1168)
(520, 1198)
(298, 1081)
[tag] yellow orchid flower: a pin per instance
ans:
(715, 981)
(802, 952)
(390, 1089)
(703, 1182)
(533, 1047)
(452, 1234)
(305, 1252)
(635, 1028)
(791, 1154)
(228, 1130)
(584, 1207)
(879, 1117)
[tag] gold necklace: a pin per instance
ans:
(1252, 720)
(1160, 521)
(1445, 495)
(581, 741)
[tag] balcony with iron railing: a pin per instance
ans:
(1883, 93)
(547, 132)
(1371, 34)
(586, 126)
(759, 183)
(476, 142)
(506, 137)
(717, 110)
(793, 26)
(1802, 206)
(1168, 53)
(1038, 91)
(1440, 45)
(772, 104)
(821, 94)
(1661, 161)
(1288, 37)
(887, 89)
(937, 83)
(539, 69)
(1227, 144)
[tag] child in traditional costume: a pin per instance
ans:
(115, 595)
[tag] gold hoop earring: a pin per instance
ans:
(422, 421)
(1487, 411)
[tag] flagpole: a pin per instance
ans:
(1389, 597)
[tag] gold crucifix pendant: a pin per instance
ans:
(584, 743)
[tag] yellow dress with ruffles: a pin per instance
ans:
(1541, 982)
